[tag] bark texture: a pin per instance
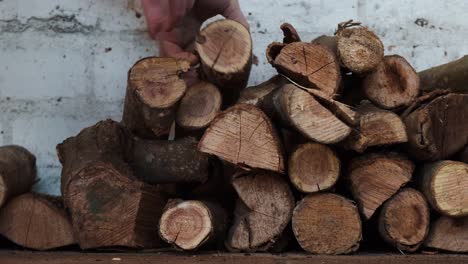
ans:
(450, 234)
(452, 76)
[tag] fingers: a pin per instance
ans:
(233, 11)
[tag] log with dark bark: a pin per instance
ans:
(393, 84)
(326, 223)
(36, 221)
(404, 220)
(313, 167)
(437, 130)
(17, 171)
(225, 50)
(263, 210)
(445, 184)
(243, 135)
(153, 91)
(374, 178)
(190, 224)
(162, 161)
(452, 76)
(450, 234)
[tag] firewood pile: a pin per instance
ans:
(344, 147)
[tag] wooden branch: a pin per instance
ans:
(450, 234)
(452, 76)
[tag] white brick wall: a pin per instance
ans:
(56, 76)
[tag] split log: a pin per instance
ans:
(359, 49)
(404, 220)
(313, 167)
(437, 130)
(17, 171)
(449, 234)
(445, 184)
(108, 205)
(452, 76)
(262, 212)
(327, 41)
(375, 178)
(393, 84)
(243, 135)
(188, 225)
(225, 50)
(326, 223)
(162, 161)
(36, 221)
(153, 91)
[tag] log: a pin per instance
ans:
(445, 184)
(17, 171)
(404, 220)
(437, 130)
(464, 155)
(327, 223)
(108, 205)
(153, 91)
(358, 48)
(327, 41)
(273, 50)
(374, 178)
(262, 212)
(450, 234)
(37, 222)
(452, 76)
(393, 84)
(225, 50)
(243, 135)
(257, 95)
(313, 167)
(190, 224)
(162, 161)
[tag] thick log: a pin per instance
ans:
(374, 178)
(450, 234)
(452, 76)
(188, 225)
(17, 171)
(326, 223)
(243, 135)
(36, 221)
(313, 167)
(393, 84)
(225, 50)
(404, 220)
(445, 184)
(437, 130)
(262, 212)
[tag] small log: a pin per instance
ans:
(450, 234)
(452, 76)
(243, 135)
(374, 178)
(17, 171)
(327, 41)
(289, 33)
(445, 184)
(188, 225)
(153, 91)
(225, 50)
(313, 167)
(327, 223)
(437, 130)
(36, 221)
(162, 161)
(404, 220)
(257, 95)
(262, 212)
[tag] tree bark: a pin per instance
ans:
(262, 212)
(36, 221)
(243, 135)
(404, 220)
(17, 171)
(225, 50)
(313, 167)
(452, 76)
(445, 184)
(289, 33)
(374, 178)
(450, 234)
(153, 92)
(437, 130)
(326, 223)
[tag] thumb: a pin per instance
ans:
(233, 11)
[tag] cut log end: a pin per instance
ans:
(327, 224)
(450, 234)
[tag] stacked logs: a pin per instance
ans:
(342, 140)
